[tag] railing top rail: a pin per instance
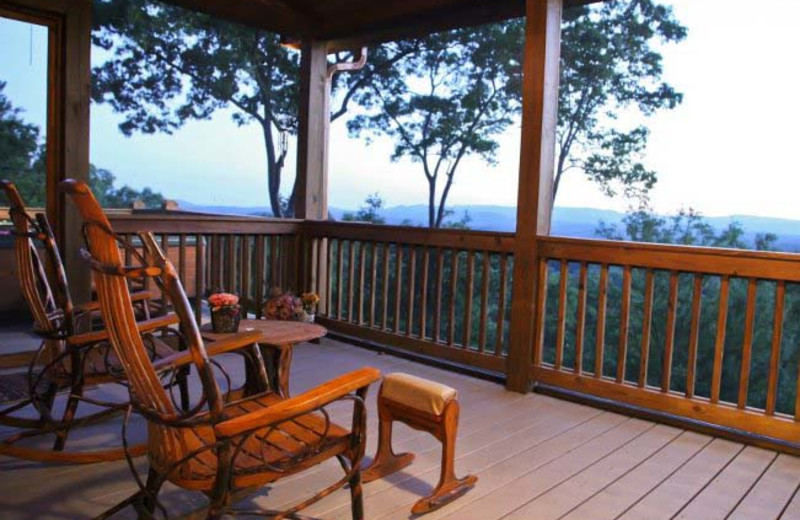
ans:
(710, 260)
(447, 238)
(202, 223)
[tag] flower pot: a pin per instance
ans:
(225, 320)
(308, 317)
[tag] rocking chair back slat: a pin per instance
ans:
(116, 306)
(47, 298)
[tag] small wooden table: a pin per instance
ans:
(278, 338)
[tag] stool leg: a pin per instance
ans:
(449, 487)
(385, 462)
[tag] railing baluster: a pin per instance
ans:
(182, 268)
(412, 278)
(775, 352)
(362, 258)
(199, 276)
(274, 262)
(164, 238)
(259, 285)
(451, 325)
(581, 318)
(214, 264)
(244, 266)
(423, 311)
(373, 277)
(747, 347)
(719, 343)
(313, 269)
(351, 274)
(669, 335)
(469, 300)
(541, 311)
(339, 274)
(398, 284)
(484, 302)
(646, 323)
(385, 277)
(600, 340)
(230, 263)
(694, 335)
(562, 313)
(624, 323)
(437, 315)
(501, 307)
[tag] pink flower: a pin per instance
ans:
(223, 300)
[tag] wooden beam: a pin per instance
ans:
(535, 195)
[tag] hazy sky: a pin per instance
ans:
(728, 149)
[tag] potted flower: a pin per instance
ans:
(225, 312)
(310, 301)
(283, 306)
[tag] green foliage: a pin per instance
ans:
(369, 212)
(687, 227)
(168, 66)
(102, 183)
(446, 98)
(610, 64)
(21, 155)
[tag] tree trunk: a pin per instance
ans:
(273, 171)
(432, 202)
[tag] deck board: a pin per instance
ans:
(536, 457)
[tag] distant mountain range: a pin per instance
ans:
(574, 222)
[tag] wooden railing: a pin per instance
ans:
(246, 256)
(441, 293)
(707, 334)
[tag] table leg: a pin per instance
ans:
(279, 361)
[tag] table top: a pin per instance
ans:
(275, 332)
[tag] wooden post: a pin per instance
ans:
(311, 202)
(69, 27)
(535, 197)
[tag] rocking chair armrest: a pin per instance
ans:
(94, 305)
(144, 326)
(229, 344)
(306, 402)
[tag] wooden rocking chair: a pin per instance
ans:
(218, 448)
(66, 360)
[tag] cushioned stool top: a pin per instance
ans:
(417, 393)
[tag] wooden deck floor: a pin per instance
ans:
(536, 458)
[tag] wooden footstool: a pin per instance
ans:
(427, 406)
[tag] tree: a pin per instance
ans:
(447, 99)
(21, 155)
(686, 227)
(168, 66)
(609, 65)
(369, 212)
(102, 183)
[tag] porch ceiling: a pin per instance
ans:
(351, 22)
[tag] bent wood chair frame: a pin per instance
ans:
(65, 360)
(222, 448)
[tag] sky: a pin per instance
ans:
(729, 149)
